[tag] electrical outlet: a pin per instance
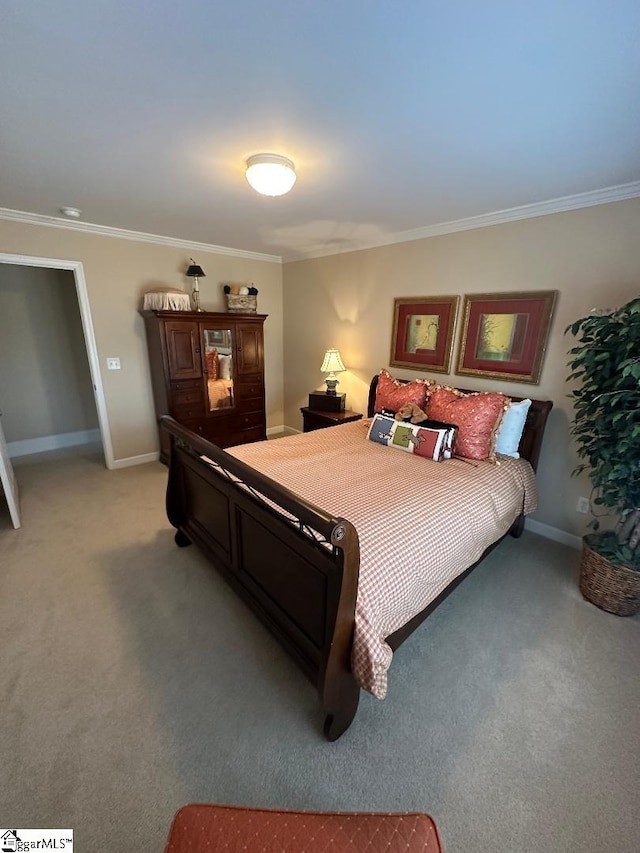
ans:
(583, 505)
(113, 364)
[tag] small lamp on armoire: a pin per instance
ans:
(195, 272)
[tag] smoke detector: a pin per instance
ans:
(71, 212)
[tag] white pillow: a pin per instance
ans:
(511, 429)
(224, 366)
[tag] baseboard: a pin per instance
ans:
(554, 533)
(279, 430)
(130, 461)
(28, 446)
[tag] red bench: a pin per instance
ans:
(203, 828)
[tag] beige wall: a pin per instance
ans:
(591, 256)
(45, 384)
(117, 273)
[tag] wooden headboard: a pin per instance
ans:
(531, 440)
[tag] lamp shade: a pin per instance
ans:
(332, 362)
(195, 270)
(270, 174)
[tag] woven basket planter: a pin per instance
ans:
(610, 587)
(242, 304)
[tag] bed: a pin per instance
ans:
(344, 585)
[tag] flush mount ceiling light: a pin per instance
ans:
(71, 212)
(270, 174)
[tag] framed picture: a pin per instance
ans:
(504, 335)
(218, 337)
(422, 334)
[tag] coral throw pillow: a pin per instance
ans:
(212, 363)
(393, 395)
(477, 416)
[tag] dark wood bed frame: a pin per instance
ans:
(298, 572)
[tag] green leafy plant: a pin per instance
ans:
(606, 425)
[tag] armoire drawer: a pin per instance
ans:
(217, 431)
(187, 412)
(253, 419)
(185, 384)
(194, 426)
(249, 389)
(249, 404)
(244, 436)
(187, 395)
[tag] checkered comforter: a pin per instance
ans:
(420, 523)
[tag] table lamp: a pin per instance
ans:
(332, 364)
(195, 272)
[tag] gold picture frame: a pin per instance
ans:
(504, 335)
(422, 332)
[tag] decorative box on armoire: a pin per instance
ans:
(207, 372)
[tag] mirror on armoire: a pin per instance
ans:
(218, 355)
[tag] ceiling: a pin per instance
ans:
(398, 115)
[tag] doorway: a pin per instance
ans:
(76, 268)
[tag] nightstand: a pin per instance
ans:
(317, 419)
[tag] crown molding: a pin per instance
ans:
(485, 220)
(137, 236)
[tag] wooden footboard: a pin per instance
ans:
(298, 572)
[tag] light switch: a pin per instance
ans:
(113, 364)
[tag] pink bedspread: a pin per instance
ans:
(420, 523)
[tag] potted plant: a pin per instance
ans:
(606, 427)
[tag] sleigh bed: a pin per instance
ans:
(342, 587)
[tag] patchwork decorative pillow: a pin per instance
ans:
(381, 429)
(511, 429)
(431, 443)
(393, 395)
(477, 416)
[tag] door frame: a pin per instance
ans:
(8, 480)
(77, 269)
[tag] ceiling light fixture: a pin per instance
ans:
(270, 174)
(71, 212)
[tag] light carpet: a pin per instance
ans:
(134, 681)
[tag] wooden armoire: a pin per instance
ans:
(207, 372)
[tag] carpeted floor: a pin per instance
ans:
(133, 681)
